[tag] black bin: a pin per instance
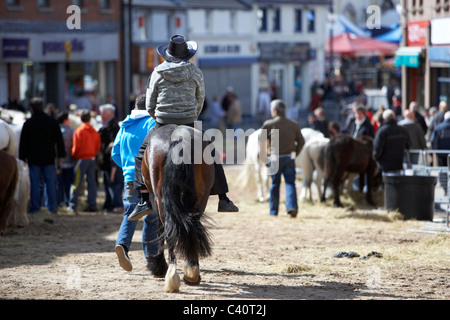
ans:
(412, 196)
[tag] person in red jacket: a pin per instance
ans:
(86, 144)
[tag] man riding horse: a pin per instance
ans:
(175, 95)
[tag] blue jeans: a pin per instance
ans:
(48, 174)
(113, 190)
(84, 167)
(286, 167)
(65, 179)
(149, 231)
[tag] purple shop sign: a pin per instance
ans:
(15, 48)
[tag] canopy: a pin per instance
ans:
(395, 35)
(341, 24)
(350, 45)
(408, 56)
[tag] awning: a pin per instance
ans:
(408, 57)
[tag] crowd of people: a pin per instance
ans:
(81, 154)
(398, 136)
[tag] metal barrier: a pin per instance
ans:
(425, 163)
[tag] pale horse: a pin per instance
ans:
(255, 173)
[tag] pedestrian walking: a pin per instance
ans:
(290, 143)
(126, 146)
(41, 145)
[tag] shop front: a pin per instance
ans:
(60, 68)
(285, 65)
(439, 58)
(413, 58)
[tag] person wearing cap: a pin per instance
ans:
(175, 95)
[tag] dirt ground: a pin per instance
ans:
(255, 256)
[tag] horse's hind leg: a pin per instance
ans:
(157, 264)
(172, 280)
(191, 273)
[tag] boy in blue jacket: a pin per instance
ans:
(126, 146)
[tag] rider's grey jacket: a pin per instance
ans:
(175, 93)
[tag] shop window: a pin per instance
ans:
(12, 3)
(233, 21)
(277, 20)
(311, 20)
(208, 20)
(262, 19)
(298, 20)
(438, 6)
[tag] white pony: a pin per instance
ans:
(256, 174)
(309, 163)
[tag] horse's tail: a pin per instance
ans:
(183, 221)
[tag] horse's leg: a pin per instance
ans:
(172, 279)
(325, 182)
(259, 182)
(191, 272)
(370, 177)
(336, 184)
(157, 264)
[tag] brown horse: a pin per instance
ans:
(8, 182)
(347, 154)
(181, 190)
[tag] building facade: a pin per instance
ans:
(44, 53)
(424, 55)
(291, 39)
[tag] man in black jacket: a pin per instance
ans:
(41, 143)
(108, 132)
(390, 143)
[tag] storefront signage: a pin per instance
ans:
(440, 31)
(231, 48)
(15, 48)
(284, 52)
(417, 33)
(62, 46)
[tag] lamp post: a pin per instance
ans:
(330, 72)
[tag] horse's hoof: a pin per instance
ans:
(192, 281)
(338, 205)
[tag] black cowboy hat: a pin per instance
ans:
(178, 49)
